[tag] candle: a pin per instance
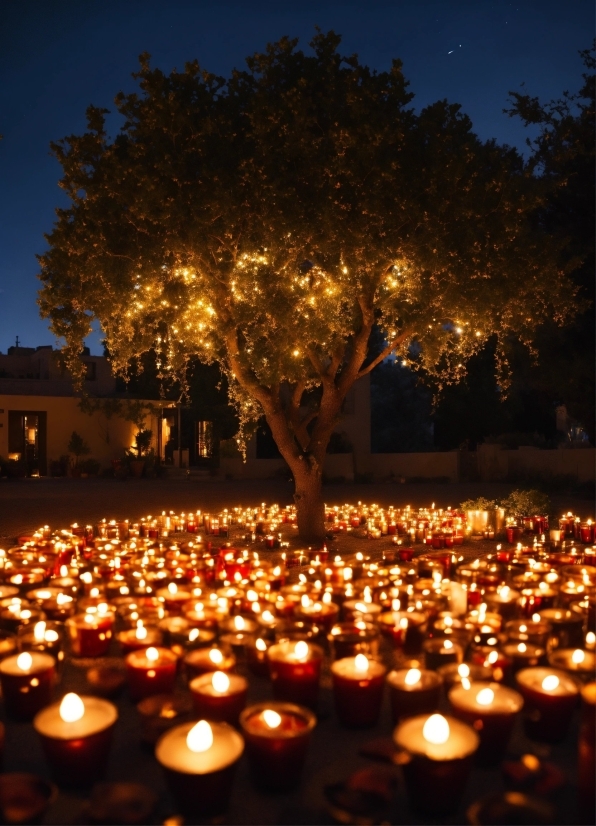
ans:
(574, 660)
(350, 638)
(295, 669)
(90, 633)
(150, 671)
(76, 735)
(134, 639)
(586, 763)
(43, 636)
(27, 680)
(438, 652)
(219, 696)
(534, 631)
(440, 750)
(524, 655)
(24, 798)
(413, 691)
(358, 684)
(173, 597)
(277, 737)
(406, 629)
(567, 626)
(550, 698)
(454, 673)
(206, 660)
(491, 710)
(199, 761)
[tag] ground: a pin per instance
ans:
(27, 504)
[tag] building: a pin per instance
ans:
(39, 411)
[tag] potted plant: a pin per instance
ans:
(77, 447)
(528, 508)
(141, 450)
(483, 515)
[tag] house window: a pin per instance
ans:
(90, 370)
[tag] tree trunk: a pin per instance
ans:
(309, 504)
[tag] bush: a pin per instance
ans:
(78, 446)
(479, 504)
(527, 503)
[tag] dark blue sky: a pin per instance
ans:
(58, 56)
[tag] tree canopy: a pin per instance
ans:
(271, 220)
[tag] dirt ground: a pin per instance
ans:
(26, 504)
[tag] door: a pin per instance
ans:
(27, 440)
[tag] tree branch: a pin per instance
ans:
(383, 355)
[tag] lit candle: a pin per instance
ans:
(524, 655)
(574, 660)
(455, 673)
(438, 652)
(43, 636)
(491, 709)
(350, 638)
(295, 669)
(358, 689)
(199, 761)
(90, 633)
(134, 639)
(207, 660)
(219, 696)
(76, 735)
(277, 737)
(441, 751)
(413, 691)
(27, 680)
(550, 699)
(150, 671)
(173, 597)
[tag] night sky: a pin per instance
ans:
(58, 56)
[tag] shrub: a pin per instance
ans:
(527, 503)
(478, 504)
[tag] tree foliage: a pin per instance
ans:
(269, 220)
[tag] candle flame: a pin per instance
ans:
(271, 718)
(193, 634)
(492, 657)
(361, 663)
(216, 656)
(72, 708)
(24, 661)
(200, 737)
(220, 682)
(436, 730)
(535, 617)
(395, 605)
(301, 650)
(39, 631)
(522, 648)
(485, 697)
(578, 656)
(173, 588)
(152, 654)
(239, 623)
(413, 676)
(141, 632)
(448, 645)
(463, 670)
(261, 645)
(550, 683)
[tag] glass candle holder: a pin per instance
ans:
(550, 697)
(277, 737)
(440, 751)
(358, 684)
(413, 691)
(295, 670)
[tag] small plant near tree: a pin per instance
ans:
(478, 504)
(78, 447)
(527, 503)
(143, 442)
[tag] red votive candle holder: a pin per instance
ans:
(295, 671)
(441, 651)
(199, 762)
(219, 696)
(358, 684)
(277, 736)
(150, 671)
(440, 751)
(350, 638)
(413, 691)
(491, 710)
(76, 735)
(550, 698)
(90, 633)
(27, 680)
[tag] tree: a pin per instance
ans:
(563, 152)
(269, 221)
